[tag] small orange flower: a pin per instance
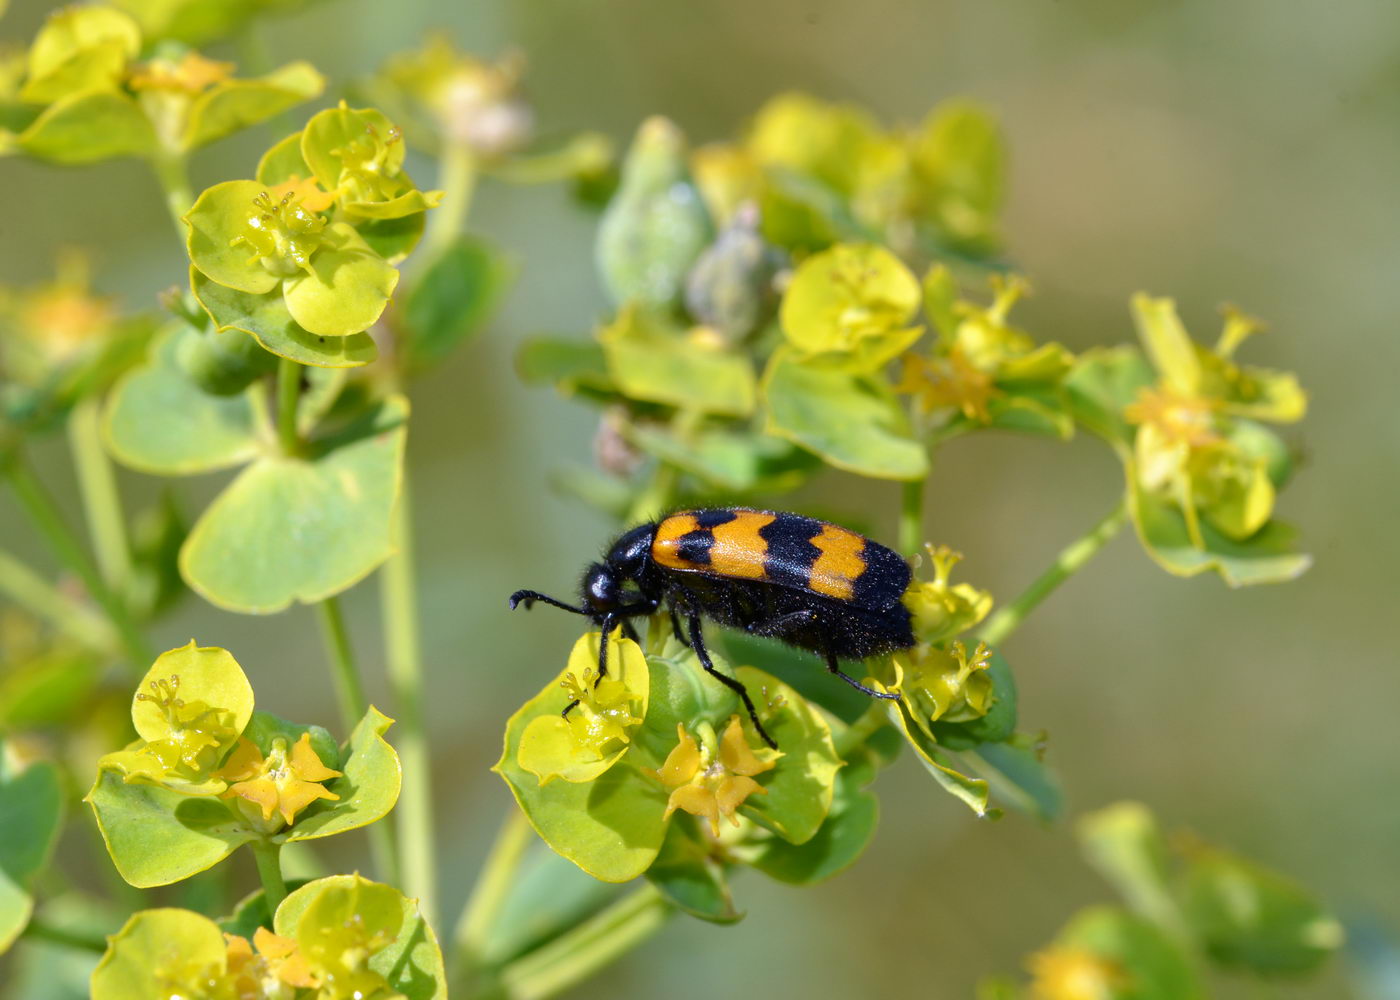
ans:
(191, 74)
(284, 782)
(712, 786)
(949, 382)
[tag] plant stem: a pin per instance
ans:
(349, 692)
(101, 502)
(353, 705)
(457, 178)
(172, 171)
(492, 888)
(911, 517)
(574, 956)
(30, 590)
(414, 815)
(41, 510)
(288, 395)
(268, 855)
(40, 930)
(1070, 560)
(873, 719)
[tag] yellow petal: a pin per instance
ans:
(735, 753)
(681, 763)
(272, 945)
(307, 765)
(696, 800)
(245, 762)
(259, 791)
(297, 795)
(732, 792)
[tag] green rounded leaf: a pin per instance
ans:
(267, 320)
(331, 132)
(347, 289)
(1104, 382)
(218, 218)
(960, 158)
(328, 909)
(158, 421)
(368, 786)
(842, 838)
(1268, 556)
(452, 299)
(849, 295)
(156, 836)
(31, 810)
(235, 104)
(304, 528)
(854, 422)
(283, 162)
(207, 674)
(651, 360)
(160, 953)
(1252, 918)
(79, 48)
(89, 127)
(690, 877)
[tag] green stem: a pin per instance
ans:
(349, 692)
(353, 705)
(172, 170)
(911, 517)
(873, 719)
(40, 930)
(288, 395)
(28, 589)
(403, 653)
(593, 944)
(101, 502)
(268, 855)
(457, 178)
(1070, 560)
(41, 510)
(488, 896)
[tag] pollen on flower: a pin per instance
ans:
(711, 781)
(282, 232)
(1177, 418)
(945, 684)
(195, 729)
(191, 74)
(948, 382)
(284, 782)
(603, 712)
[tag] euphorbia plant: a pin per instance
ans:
(825, 295)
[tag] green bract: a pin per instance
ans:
(31, 809)
(690, 753)
(337, 938)
(84, 98)
(210, 774)
(694, 370)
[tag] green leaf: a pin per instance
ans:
(392, 239)
(156, 836)
(854, 422)
(89, 127)
(266, 318)
(452, 298)
(972, 792)
(842, 838)
(223, 363)
(1102, 383)
(158, 421)
(801, 787)
(843, 300)
(610, 827)
(330, 908)
(650, 360)
(283, 162)
(71, 36)
(368, 788)
(1150, 963)
(235, 104)
(218, 223)
(160, 953)
(961, 160)
(1252, 918)
(207, 674)
(569, 363)
(690, 878)
(31, 810)
(331, 135)
(1018, 777)
(304, 528)
(549, 895)
(1268, 556)
(347, 288)
(1124, 844)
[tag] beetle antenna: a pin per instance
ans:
(529, 597)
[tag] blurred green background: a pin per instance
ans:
(1244, 152)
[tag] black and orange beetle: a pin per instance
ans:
(811, 584)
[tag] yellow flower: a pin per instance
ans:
(63, 317)
(196, 731)
(942, 610)
(708, 785)
(948, 382)
(284, 782)
(944, 684)
(191, 74)
(1064, 973)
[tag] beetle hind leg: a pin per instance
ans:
(832, 667)
(697, 643)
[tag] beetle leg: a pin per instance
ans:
(676, 626)
(607, 626)
(697, 643)
(529, 597)
(833, 668)
(777, 626)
